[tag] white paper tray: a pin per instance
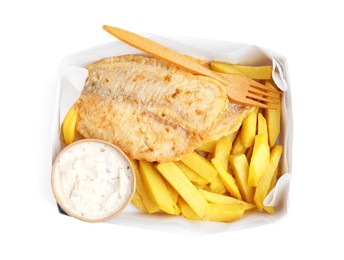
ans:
(71, 80)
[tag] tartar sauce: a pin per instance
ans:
(92, 180)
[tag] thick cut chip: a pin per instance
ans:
(149, 203)
(223, 199)
(187, 211)
(225, 213)
(200, 165)
(227, 179)
(138, 202)
(253, 72)
(273, 119)
(222, 150)
(259, 160)
(240, 168)
(217, 186)
(194, 177)
(68, 126)
(248, 129)
(157, 189)
(264, 183)
(184, 187)
(207, 147)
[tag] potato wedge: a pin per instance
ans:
(184, 187)
(68, 126)
(201, 166)
(264, 183)
(249, 128)
(253, 72)
(240, 169)
(225, 213)
(194, 177)
(223, 199)
(149, 203)
(259, 160)
(227, 179)
(156, 187)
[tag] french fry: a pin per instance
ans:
(262, 126)
(156, 187)
(210, 156)
(259, 160)
(201, 166)
(217, 186)
(240, 168)
(231, 137)
(227, 179)
(222, 150)
(172, 191)
(138, 202)
(191, 175)
(150, 205)
(174, 196)
(269, 209)
(249, 154)
(264, 183)
(225, 213)
(248, 128)
(261, 153)
(68, 126)
(184, 187)
(207, 147)
(186, 210)
(223, 199)
(253, 72)
(274, 180)
(273, 118)
(238, 146)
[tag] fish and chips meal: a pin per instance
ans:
(194, 152)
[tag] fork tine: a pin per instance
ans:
(252, 96)
(253, 102)
(263, 93)
(257, 85)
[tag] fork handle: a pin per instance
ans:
(162, 52)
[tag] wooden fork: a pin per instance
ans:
(240, 89)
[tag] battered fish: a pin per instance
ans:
(147, 107)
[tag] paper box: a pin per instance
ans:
(71, 80)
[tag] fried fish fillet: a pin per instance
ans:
(149, 108)
(229, 122)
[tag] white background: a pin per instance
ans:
(36, 35)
